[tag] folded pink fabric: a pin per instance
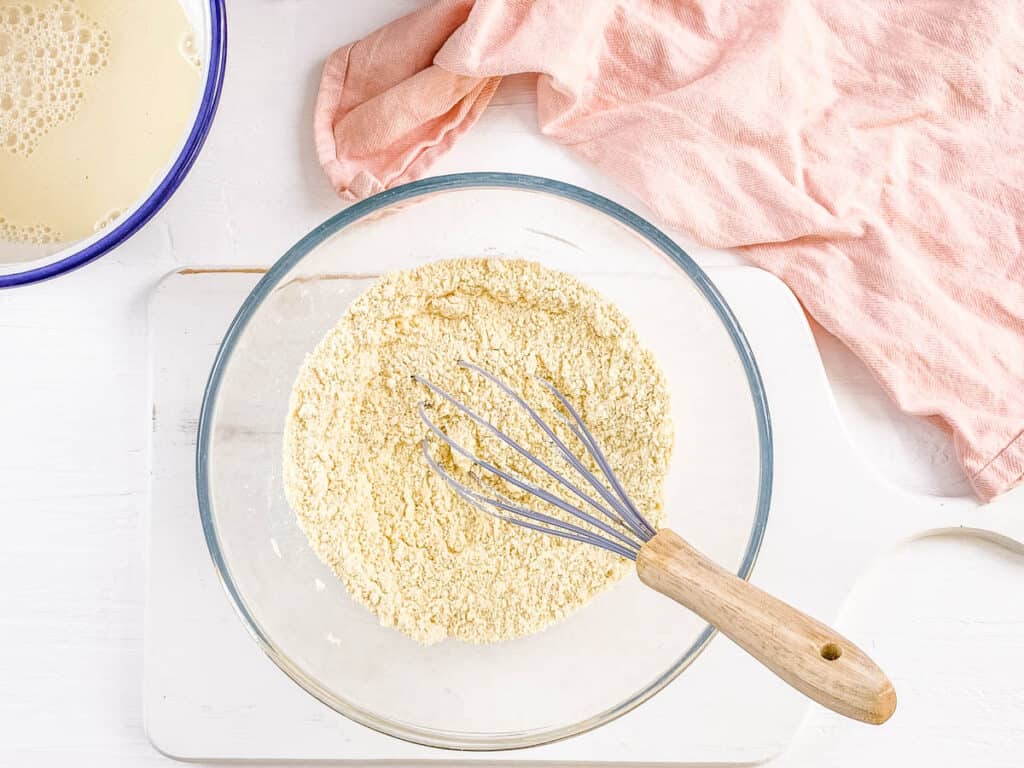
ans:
(868, 153)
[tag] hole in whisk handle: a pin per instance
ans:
(831, 651)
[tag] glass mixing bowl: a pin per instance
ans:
(22, 264)
(607, 658)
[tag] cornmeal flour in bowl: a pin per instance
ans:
(446, 628)
(104, 105)
(407, 547)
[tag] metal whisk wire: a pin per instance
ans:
(627, 528)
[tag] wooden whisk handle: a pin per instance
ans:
(816, 660)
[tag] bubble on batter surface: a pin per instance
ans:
(190, 51)
(32, 234)
(46, 55)
(107, 220)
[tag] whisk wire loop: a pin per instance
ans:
(621, 509)
(623, 512)
(615, 516)
(516, 480)
(557, 527)
(590, 443)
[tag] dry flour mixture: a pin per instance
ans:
(405, 546)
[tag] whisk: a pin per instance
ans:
(806, 654)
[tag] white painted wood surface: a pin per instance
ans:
(74, 467)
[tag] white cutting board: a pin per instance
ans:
(211, 694)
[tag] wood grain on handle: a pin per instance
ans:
(817, 661)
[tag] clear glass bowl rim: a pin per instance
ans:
(460, 181)
(171, 180)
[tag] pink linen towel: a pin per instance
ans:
(871, 154)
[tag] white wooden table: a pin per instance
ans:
(74, 464)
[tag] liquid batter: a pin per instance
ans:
(95, 99)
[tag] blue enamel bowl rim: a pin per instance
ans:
(405, 731)
(172, 179)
